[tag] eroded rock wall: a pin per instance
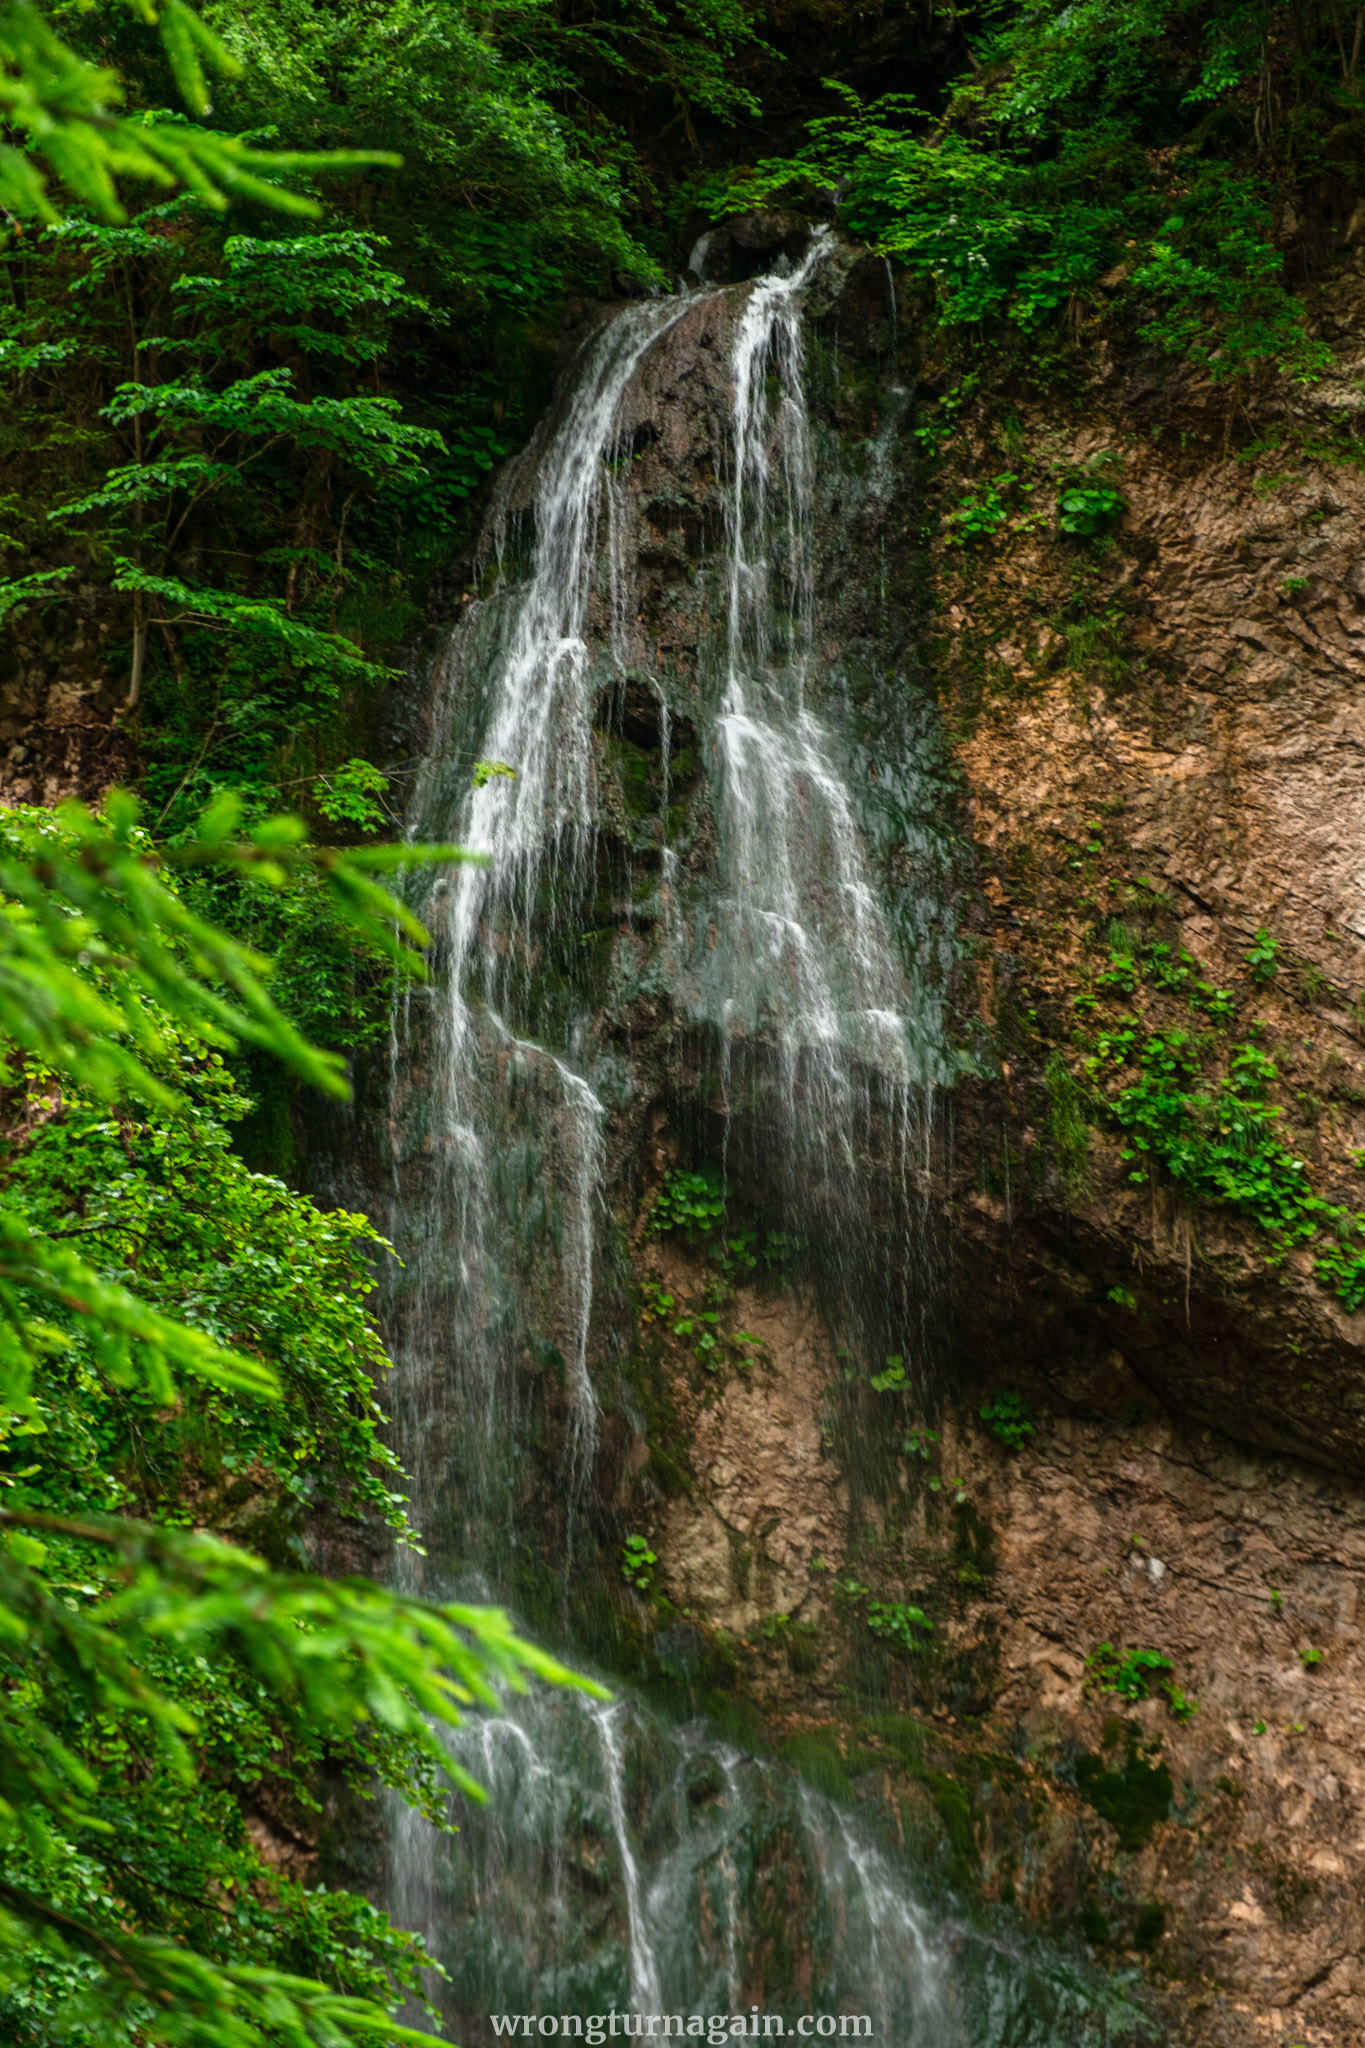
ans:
(1158, 730)
(1211, 1829)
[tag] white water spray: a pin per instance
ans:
(618, 1859)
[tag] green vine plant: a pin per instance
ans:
(1009, 1418)
(691, 1202)
(1088, 511)
(1135, 1675)
(1221, 1143)
(895, 1622)
(637, 1564)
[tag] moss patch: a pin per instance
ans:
(1133, 1800)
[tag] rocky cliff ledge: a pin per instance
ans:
(1156, 723)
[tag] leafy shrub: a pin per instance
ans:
(1088, 510)
(894, 1380)
(1052, 172)
(1130, 1673)
(1262, 956)
(637, 1564)
(1008, 1418)
(903, 1626)
(691, 1202)
(1136, 1674)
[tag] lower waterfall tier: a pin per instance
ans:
(623, 1866)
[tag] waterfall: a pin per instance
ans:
(803, 941)
(622, 1861)
(622, 1865)
(531, 827)
(804, 960)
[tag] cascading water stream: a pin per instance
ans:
(793, 964)
(621, 1863)
(804, 944)
(530, 827)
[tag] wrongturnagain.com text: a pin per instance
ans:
(716, 2028)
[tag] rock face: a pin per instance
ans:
(1161, 731)
(1208, 1820)
(1174, 719)
(59, 709)
(741, 1546)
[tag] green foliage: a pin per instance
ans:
(1131, 1674)
(691, 1202)
(1220, 1144)
(87, 892)
(124, 1644)
(510, 119)
(205, 1355)
(247, 1261)
(349, 795)
(1182, 1705)
(1088, 510)
(1096, 149)
(637, 1564)
(1134, 1674)
(977, 517)
(903, 1627)
(1225, 1146)
(64, 112)
(1009, 1418)
(250, 450)
(1262, 957)
(894, 1380)
(1309, 1656)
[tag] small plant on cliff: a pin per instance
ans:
(894, 1380)
(984, 513)
(1008, 1418)
(1069, 1127)
(691, 1202)
(1087, 507)
(1131, 1674)
(1262, 956)
(1136, 1675)
(637, 1564)
(1219, 1143)
(903, 1626)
